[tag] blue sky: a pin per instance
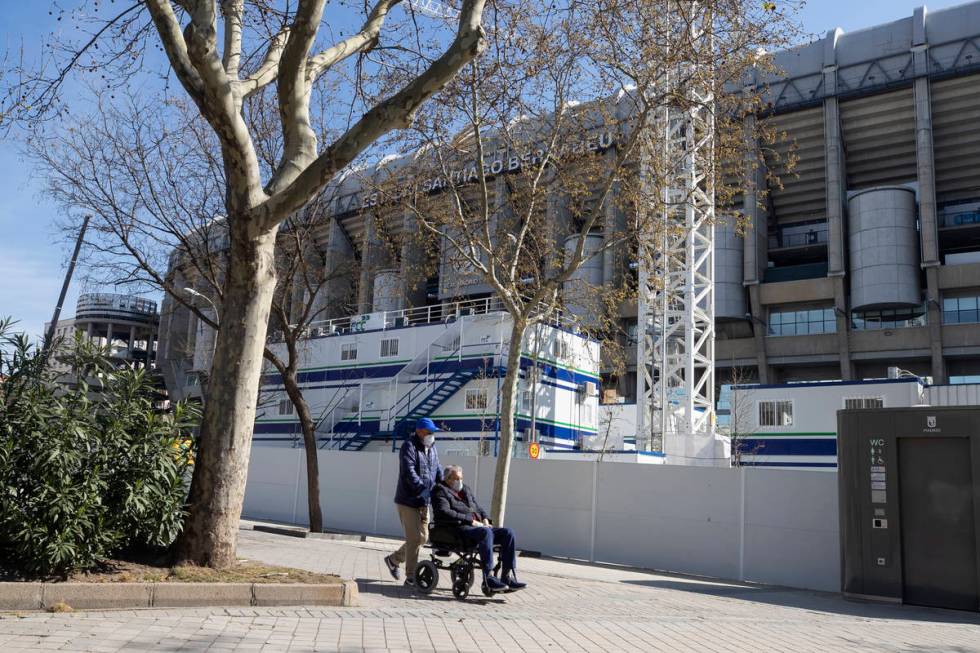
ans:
(33, 253)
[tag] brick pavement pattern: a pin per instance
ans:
(568, 607)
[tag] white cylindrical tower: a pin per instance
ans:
(388, 294)
(583, 290)
(883, 244)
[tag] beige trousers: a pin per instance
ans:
(415, 521)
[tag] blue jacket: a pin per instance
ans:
(418, 473)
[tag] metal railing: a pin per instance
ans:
(815, 237)
(418, 316)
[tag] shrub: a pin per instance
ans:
(86, 468)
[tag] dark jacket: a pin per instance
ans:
(418, 472)
(451, 510)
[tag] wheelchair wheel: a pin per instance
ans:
(461, 589)
(486, 589)
(426, 576)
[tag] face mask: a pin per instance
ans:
(457, 485)
(429, 440)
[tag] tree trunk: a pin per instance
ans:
(508, 392)
(210, 534)
(309, 444)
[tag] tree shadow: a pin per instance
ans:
(824, 602)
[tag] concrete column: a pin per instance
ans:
(935, 317)
(88, 331)
(108, 336)
(836, 187)
(132, 340)
(755, 245)
(759, 334)
(374, 256)
(836, 199)
(843, 329)
(414, 268)
(340, 267)
(926, 176)
(926, 169)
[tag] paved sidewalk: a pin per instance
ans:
(569, 607)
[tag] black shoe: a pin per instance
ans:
(494, 584)
(393, 569)
(512, 582)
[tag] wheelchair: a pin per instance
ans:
(445, 543)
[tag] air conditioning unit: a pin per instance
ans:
(587, 389)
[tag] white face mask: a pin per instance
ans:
(429, 440)
(456, 485)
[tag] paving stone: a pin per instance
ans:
(568, 607)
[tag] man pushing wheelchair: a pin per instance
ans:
(461, 526)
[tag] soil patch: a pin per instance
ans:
(246, 571)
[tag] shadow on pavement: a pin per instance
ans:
(440, 595)
(813, 601)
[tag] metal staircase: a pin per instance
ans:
(416, 403)
(327, 421)
(445, 346)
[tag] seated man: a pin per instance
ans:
(454, 505)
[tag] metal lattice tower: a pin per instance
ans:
(676, 310)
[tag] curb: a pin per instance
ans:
(302, 533)
(100, 596)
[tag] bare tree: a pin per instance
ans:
(221, 78)
(742, 421)
(523, 184)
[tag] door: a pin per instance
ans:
(939, 560)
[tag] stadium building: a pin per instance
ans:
(865, 255)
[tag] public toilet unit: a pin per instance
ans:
(909, 492)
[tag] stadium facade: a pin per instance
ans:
(865, 256)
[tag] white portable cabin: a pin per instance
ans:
(368, 378)
(794, 425)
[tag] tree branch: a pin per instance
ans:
(174, 45)
(363, 41)
(268, 70)
(393, 113)
(233, 12)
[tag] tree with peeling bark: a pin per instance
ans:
(523, 183)
(377, 81)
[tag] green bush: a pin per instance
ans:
(86, 468)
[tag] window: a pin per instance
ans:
(897, 318)
(285, 407)
(389, 347)
(801, 322)
(348, 351)
(525, 400)
(631, 333)
(560, 348)
(960, 310)
(775, 413)
(864, 402)
(966, 378)
(476, 399)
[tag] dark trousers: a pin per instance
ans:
(484, 538)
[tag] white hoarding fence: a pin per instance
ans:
(767, 526)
